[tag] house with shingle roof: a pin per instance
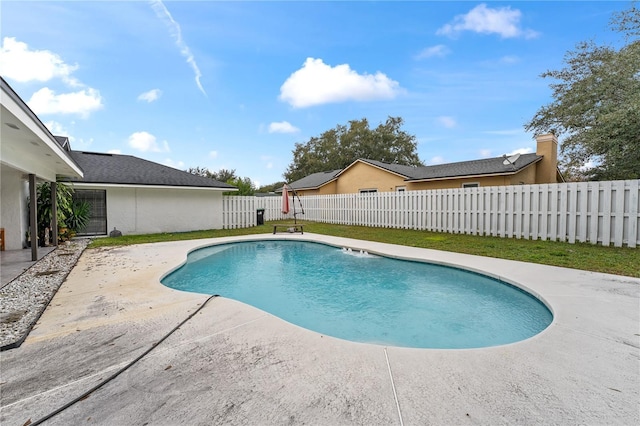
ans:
(131, 194)
(138, 196)
(364, 175)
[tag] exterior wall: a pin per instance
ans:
(327, 189)
(153, 210)
(524, 177)
(364, 176)
(13, 208)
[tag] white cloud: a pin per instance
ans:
(282, 127)
(485, 153)
(150, 96)
(56, 128)
(175, 164)
(485, 20)
(436, 160)
(429, 52)
(59, 130)
(19, 63)
(114, 151)
(446, 121)
(213, 154)
(145, 142)
(176, 33)
(520, 151)
(317, 83)
(83, 102)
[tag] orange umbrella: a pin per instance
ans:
(285, 200)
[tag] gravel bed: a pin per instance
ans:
(24, 299)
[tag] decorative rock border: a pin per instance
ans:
(24, 299)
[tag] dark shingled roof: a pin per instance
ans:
(129, 170)
(486, 166)
(314, 180)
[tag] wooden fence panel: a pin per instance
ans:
(595, 212)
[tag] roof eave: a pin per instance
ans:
(51, 141)
(138, 185)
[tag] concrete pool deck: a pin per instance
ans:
(234, 364)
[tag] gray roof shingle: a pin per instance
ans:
(486, 166)
(130, 170)
(315, 180)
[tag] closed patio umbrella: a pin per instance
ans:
(285, 200)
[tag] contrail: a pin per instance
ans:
(174, 28)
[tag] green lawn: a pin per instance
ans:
(588, 257)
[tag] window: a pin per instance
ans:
(471, 185)
(97, 200)
(368, 191)
(401, 188)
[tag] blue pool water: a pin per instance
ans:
(365, 298)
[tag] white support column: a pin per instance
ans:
(33, 217)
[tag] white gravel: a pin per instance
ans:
(23, 300)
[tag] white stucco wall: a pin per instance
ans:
(13, 208)
(139, 210)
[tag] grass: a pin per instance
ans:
(613, 260)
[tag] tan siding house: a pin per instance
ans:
(374, 176)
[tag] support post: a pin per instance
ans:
(54, 213)
(33, 217)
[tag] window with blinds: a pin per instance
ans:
(97, 199)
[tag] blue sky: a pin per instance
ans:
(236, 84)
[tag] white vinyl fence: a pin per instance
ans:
(595, 212)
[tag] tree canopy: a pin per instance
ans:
(245, 185)
(341, 146)
(222, 175)
(596, 106)
(272, 187)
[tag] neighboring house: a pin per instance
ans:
(374, 176)
(29, 154)
(137, 196)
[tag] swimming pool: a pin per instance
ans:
(365, 298)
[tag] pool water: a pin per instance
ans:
(365, 298)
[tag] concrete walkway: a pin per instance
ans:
(234, 364)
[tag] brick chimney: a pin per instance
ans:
(547, 168)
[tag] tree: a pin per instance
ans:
(222, 175)
(245, 186)
(339, 147)
(271, 187)
(596, 105)
(200, 171)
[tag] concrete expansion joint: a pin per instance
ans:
(393, 387)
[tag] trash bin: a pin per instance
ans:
(260, 217)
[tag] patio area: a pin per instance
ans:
(234, 364)
(15, 262)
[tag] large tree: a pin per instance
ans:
(596, 106)
(341, 146)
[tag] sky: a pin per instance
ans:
(235, 85)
